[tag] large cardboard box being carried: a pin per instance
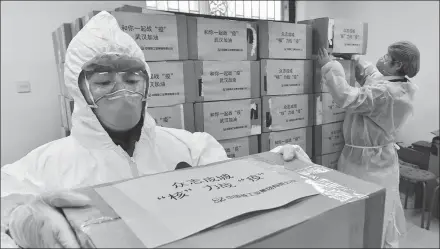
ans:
(226, 80)
(348, 213)
(339, 36)
(328, 138)
(179, 116)
(326, 110)
(329, 160)
(229, 119)
(171, 83)
(211, 39)
(302, 137)
(287, 112)
(282, 40)
(240, 147)
(282, 77)
(320, 87)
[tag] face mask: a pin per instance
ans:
(120, 111)
(380, 65)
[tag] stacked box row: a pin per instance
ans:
(205, 77)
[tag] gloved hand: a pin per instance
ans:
(323, 57)
(38, 224)
(290, 151)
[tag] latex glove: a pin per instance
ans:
(323, 57)
(38, 224)
(291, 151)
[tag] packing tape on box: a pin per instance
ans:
(254, 36)
(324, 186)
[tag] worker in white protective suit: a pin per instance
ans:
(112, 138)
(376, 111)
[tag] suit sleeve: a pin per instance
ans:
(207, 149)
(366, 100)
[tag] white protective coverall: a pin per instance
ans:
(375, 113)
(89, 156)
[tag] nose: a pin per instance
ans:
(119, 83)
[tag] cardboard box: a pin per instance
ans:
(66, 110)
(221, 80)
(283, 40)
(339, 36)
(240, 147)
(326, 110)
(329, 160)
(328, 138)
(347, 214)
(161, 37)
(76, 26)
(69, 109)
(61, 38)
(177, 116)
(321, 87)
(287, 112)
(63, 111)
(171, 83)
(302, 137)
(281, 77)
(85, 19)
(212, 39)
(61, 83)
(229, 119)
(64, 132)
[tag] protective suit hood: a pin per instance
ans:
(100, 36)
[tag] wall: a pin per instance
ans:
(391, 21)
(29, 120)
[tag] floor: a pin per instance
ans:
(416, 236)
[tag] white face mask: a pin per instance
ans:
(120, 111)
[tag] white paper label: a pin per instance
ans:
(296, 137)
(166, 84)
(184, 202)
(287, 40)
(238, 147)
(289, 112)
(226, 80)
(285, 77)
(348, 37)
(168, 116)
(221, 40)
(156, 35)
(227, 119)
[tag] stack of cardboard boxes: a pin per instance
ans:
(286, 84)
(206, 78)
(61, 38)
(228, 103)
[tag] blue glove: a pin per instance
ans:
(38, 224)
(290, 151)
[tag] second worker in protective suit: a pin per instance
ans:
(112, 138)
(375, 113)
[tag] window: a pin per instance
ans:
(266, 10)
